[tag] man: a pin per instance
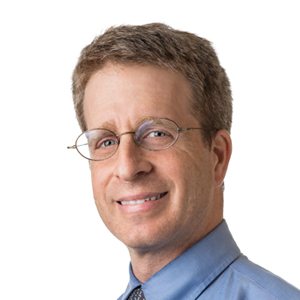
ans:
(155, 109)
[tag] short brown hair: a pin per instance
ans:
(160, 45)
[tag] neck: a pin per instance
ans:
(145, 263)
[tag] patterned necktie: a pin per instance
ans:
(137, 294)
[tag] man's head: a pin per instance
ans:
(162, 46)
(156, 201)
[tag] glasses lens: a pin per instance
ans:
(97, 144)
(157, 134)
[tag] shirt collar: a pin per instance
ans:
(189, 274)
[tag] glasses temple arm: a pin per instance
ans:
(189, 128)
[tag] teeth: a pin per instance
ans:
(142, 200)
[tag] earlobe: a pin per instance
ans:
(221, 149)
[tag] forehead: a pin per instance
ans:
(126, 95)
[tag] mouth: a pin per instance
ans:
(140, 201)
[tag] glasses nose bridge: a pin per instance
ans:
(126, 132)
(123, 133)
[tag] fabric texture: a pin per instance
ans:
(213, 269)
(137, 294)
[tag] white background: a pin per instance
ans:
(53, 244)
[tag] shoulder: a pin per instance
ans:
(121, 297)
(251, 281)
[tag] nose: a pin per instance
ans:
(131, 159)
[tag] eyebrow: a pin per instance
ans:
(110, 126)
(106, 125)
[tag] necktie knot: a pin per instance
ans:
(137, 294)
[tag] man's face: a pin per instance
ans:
(120, 98)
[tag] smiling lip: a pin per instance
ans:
(141, 199)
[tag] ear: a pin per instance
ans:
(221, 149)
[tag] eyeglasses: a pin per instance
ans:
(154, 135)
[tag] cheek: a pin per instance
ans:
(99, 184)
(99, 176)
(192, 175)
(187, 167)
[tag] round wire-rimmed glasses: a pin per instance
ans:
(155, 135)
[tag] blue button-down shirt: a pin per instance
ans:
(214, 268)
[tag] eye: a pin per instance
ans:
(156, 134)
(106, 143)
